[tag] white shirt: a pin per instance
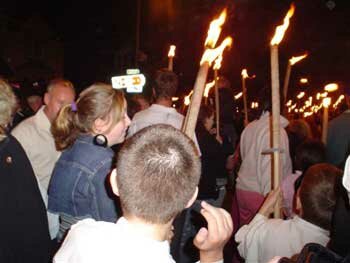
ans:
(37, 141)
(263, 238)
(91, 241)
(255, 172)
(346, 176)
(35, 137)
(157, 114)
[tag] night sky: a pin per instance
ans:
(93, 32)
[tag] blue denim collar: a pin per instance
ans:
(88, 138)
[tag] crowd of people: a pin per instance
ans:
(81, 181)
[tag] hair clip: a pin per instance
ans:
(74, 107)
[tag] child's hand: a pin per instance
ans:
(211, 241)
(273, 198)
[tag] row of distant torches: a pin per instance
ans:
(314, 108)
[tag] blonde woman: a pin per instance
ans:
(24, 235)
(85, 130)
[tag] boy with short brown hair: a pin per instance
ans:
(264, 238)
(157, 176)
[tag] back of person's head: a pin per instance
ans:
(99, 101)
(265, 95)
(224, 83)
(138, 102)
(158, 171)
(7, 106)
(301, 128)
(310, 152)
(317, 194)
(165, 84)
(205, 112)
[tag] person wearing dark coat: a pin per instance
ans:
(213, 156)
(24, 235)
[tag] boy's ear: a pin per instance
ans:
(113, 181)
(193, 198)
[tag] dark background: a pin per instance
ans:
(97, 39)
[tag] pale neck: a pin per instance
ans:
(164, 102)
(159, 232)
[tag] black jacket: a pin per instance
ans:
(24, 235)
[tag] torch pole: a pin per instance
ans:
(190, 122)
(275, 122)
(285, 87)
(325, 125)
(217, 102)
(170, 63)
(244, 90)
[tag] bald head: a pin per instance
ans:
(59, 93)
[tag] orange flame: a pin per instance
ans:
(218, 61)
(237, 96)
(211, 54)
(187, 99)
(280, 30)
(215, 30)
(208, 86)
(171, 52)
(244, 73)
(303, 80)
(331, 87)
(294, 60)
(301, 94)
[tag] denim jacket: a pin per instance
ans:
(78, 184)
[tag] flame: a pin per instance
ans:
(237, 96)
(171, 52)
(304, 80)
(301, 94)
(254, 105)
(218, 61)
(211, 54)
(324, 94)
(280, 30)
(215, 30)
(289, 103)
(208, 86)
(244, 73)
(187, 99)
(326, 102)
(339, 100)
(294, 60)
(174, 98)
(307, 114)
(331, 87)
